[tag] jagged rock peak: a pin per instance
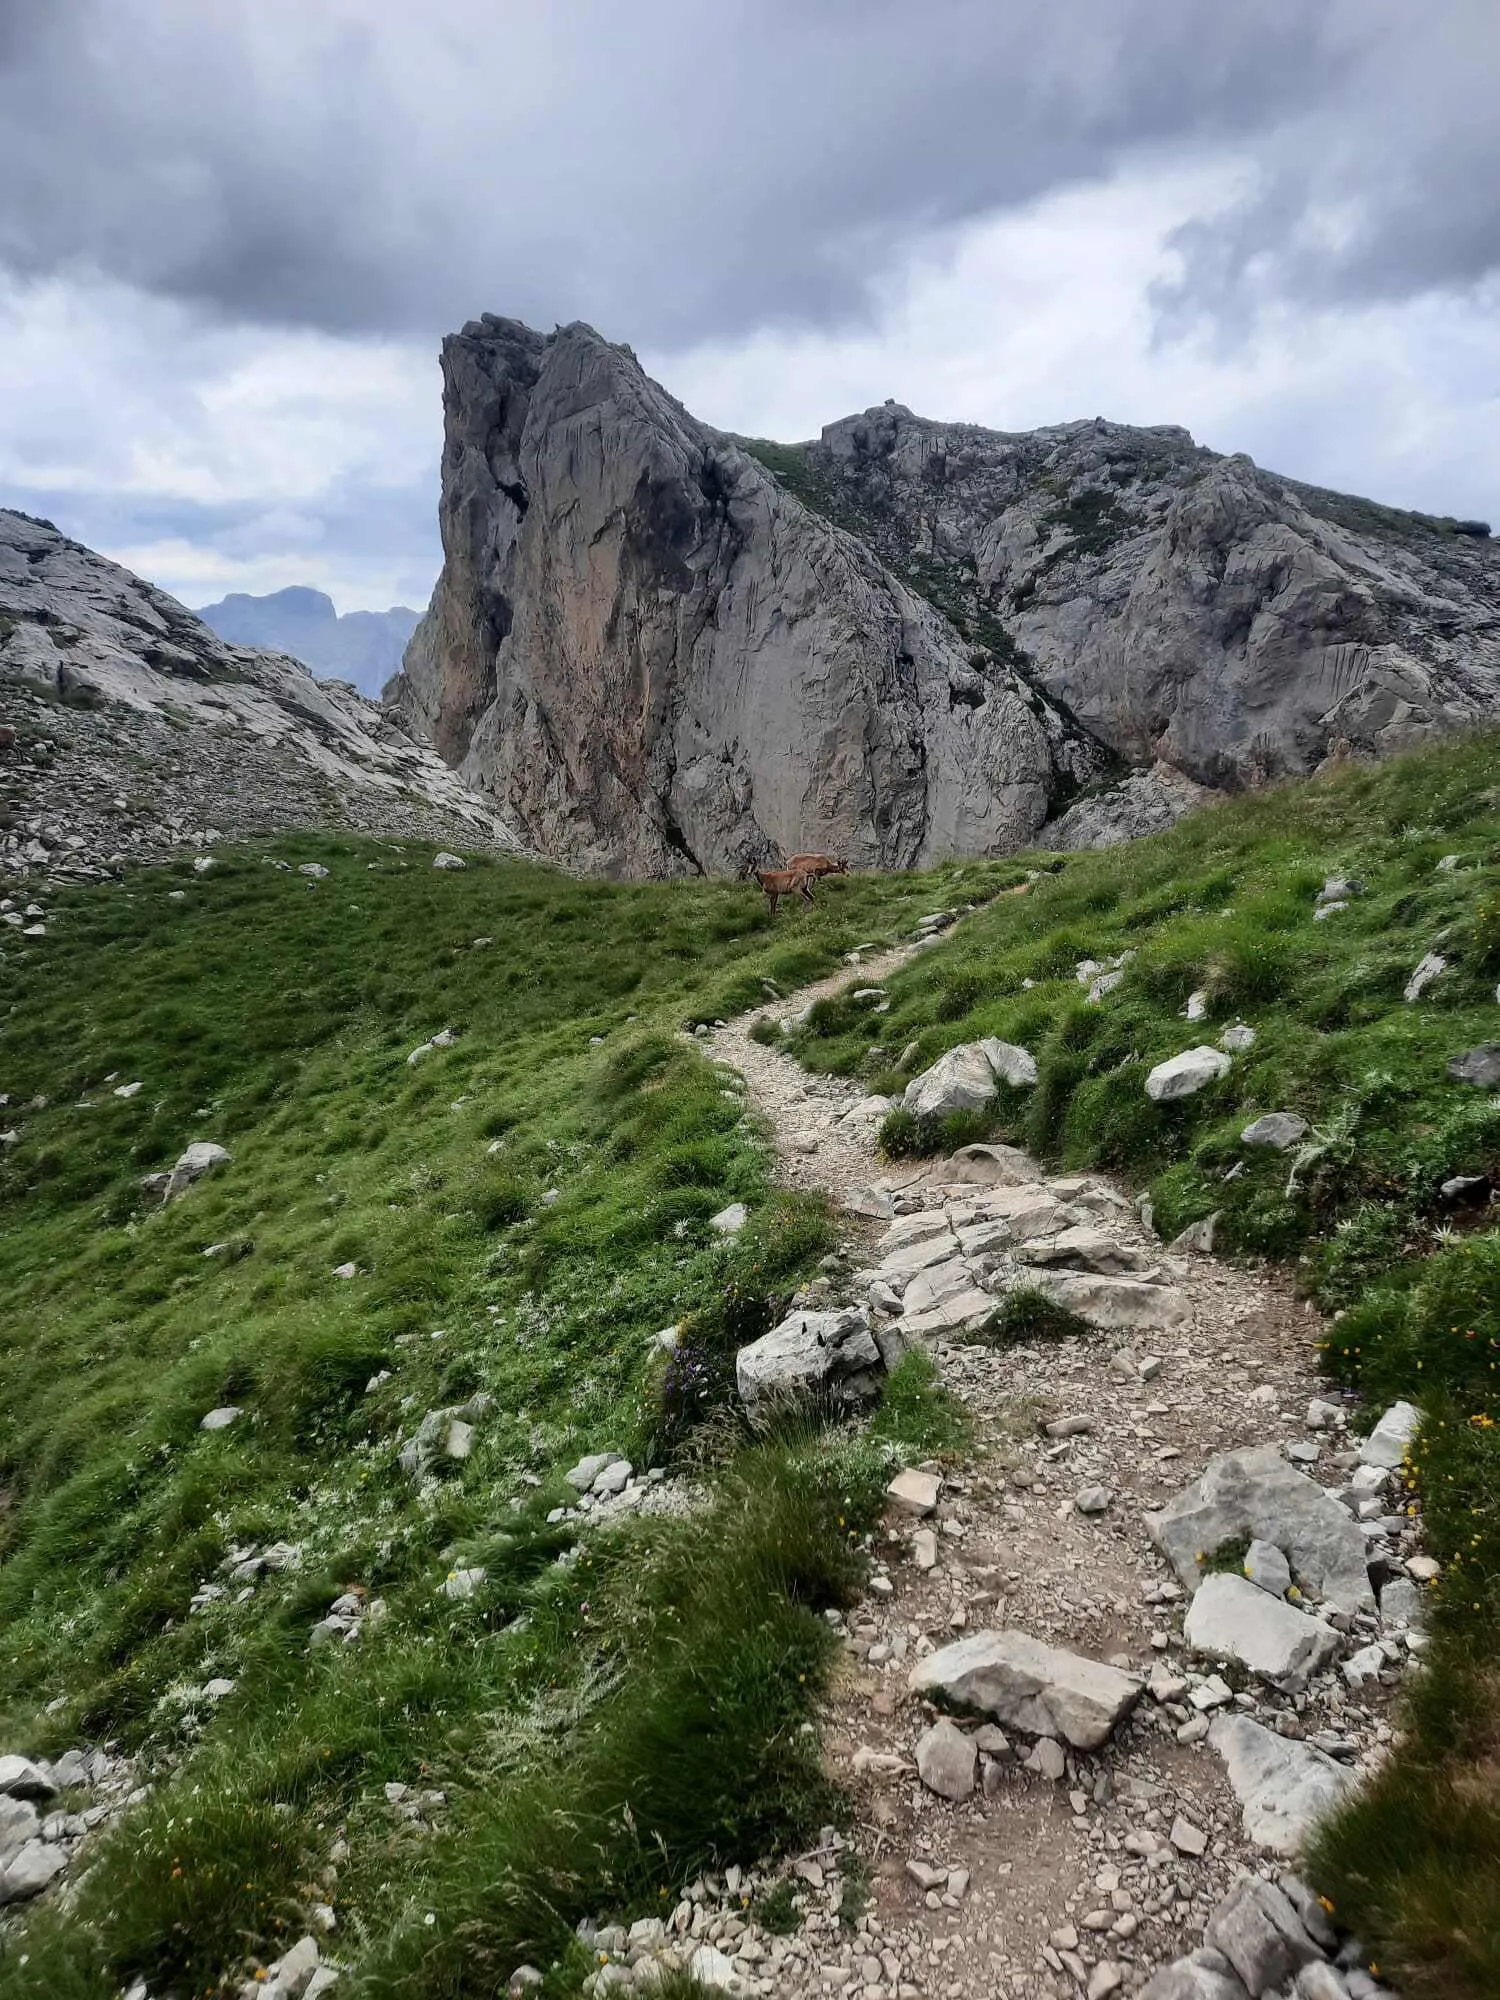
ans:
(657, 659)
(661, 648)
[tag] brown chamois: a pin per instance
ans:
(815, 865)
(779, 882)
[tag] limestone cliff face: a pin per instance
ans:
(1189, 609)
(660, 649)
(656, 659)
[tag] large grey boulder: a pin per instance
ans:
(1230, 1618)
(1284, 1787)
(812, 1359)
(1254, 1493)
(966, 1078)
(1259, 1932)
(1023, 1683)
(19, 1822)
(1186, 1074)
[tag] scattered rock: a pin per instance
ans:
(914, 1492)
(730, 1221)
(1278, 1129)
(1025, 1684)
(1479, 1066)
(1387, 1444)
(1197, 1240)
(1432, 967)
(818, 1358)
(21, 1778)
(1261, 1935)
(1268, 1569)
(220, 1419)
(947, 1760)
(1183, 1075)
(449, 861)
(199, 1159)
(992, 1166)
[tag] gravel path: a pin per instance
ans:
(1086, 1881)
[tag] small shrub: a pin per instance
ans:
(777, 1910)
(1027, 1314)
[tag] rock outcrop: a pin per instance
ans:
(132, 732)
(660, 648)
(656, 659)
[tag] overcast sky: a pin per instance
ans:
(232, 233)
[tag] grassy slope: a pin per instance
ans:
(276, 1018)
(1224, 904)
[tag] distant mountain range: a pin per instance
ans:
(364, 647)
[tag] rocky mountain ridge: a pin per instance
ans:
(129, 730)
(663, 649)
(362, 647)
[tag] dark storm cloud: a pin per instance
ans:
(673, 170)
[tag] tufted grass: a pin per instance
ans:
(525, 1210)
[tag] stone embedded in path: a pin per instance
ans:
(1230, 1618)
(1268, 1569)
(1283, 1787)
(1085, 1247)
(1277, 1129)
(966, 1078)
(1190, 1979)
(1255, 1493)
(871, 1202)
(811, 1358)
(1026, 1684)
(914, 1492)
(1116, 1303)
(1387, 1443)
(947, 1760)
(990, 1166)
(931, 1287)
(1184, 1075)
(960, 1312)
(1261, 1935)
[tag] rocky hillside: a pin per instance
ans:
(129, 730)
(362, 647)
(661, 648)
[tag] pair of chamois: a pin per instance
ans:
(798, 876)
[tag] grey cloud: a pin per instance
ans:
(1387, 192)
(674, 171)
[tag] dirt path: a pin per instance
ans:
(1087, 1880)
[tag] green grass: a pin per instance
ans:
(525, 1210)
(1223, 904)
